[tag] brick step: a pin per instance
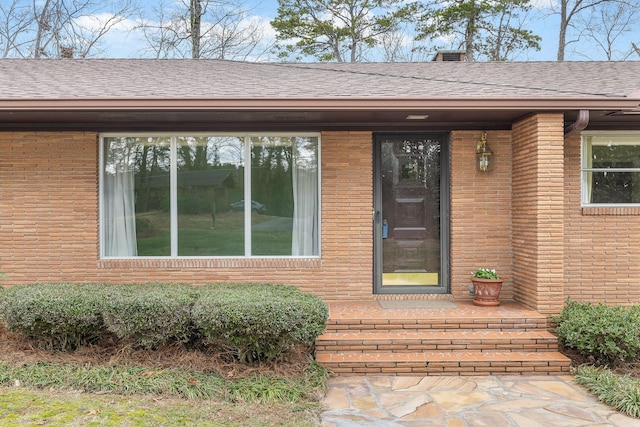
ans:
(413, 341)
(446, 363)
(480, 323)
(362, 338)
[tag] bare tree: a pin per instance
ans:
(16, 18)
(159, 35)
(58, 28)
(85, 37)
(607, 27)
(62, 31)
(569, 11)
(636, 48)
(401, 46)
(203, 29)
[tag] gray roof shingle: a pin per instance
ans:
(216, 79)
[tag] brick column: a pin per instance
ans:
(538, 212)
(480, 211)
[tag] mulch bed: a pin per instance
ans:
(15, 349)
(631, 369)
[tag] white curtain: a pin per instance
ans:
(305, 211)
(119, 214)
(589, 164)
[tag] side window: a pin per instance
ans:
(610, 168)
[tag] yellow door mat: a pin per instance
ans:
(410, 279)
(416, 303)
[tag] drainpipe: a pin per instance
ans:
(580, 123)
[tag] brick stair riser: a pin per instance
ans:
(542, 369)
(551, 363)
(343, 326)
(427, 345)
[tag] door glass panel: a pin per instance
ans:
(410, 212)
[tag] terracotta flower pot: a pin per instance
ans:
(486, 291)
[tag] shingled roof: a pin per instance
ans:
(216, 79)
(131, 94)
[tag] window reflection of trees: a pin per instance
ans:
(272, 162)
(210, 181)
(615, 184)
(420, 162)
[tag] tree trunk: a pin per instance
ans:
(562, 37)
(196, 26)
(43, 25)
(470, 32)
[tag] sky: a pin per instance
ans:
(124, 43)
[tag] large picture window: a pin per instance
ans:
(209, 195)
(611, 168)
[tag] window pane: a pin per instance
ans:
(615, 153)
(614, 187)
(284, 189)
(210, 184)
(615, 156)
(136, 197)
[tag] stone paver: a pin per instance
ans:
(505, 401)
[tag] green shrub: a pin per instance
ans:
(254, 322)
(610, 334)
(149, 316)
(58, 316)
(259, 321)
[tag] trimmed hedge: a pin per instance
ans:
(252, 321)
(149, 316)
(59, 316)
(259, 323)
(610, 334)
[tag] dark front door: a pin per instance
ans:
(410, 217)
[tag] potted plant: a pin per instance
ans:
(486, 287)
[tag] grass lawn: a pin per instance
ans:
(31, 407)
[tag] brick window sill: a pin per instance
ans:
(239, 263)
(611, 211)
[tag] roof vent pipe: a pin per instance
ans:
(579, 125)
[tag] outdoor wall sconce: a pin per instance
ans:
(484, 155)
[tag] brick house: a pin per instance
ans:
(364, 179)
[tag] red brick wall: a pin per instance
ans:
(48, 206)
(49, 221)
(480, 211)
(538, 212)
(601, 245)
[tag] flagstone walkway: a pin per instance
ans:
(505, 401)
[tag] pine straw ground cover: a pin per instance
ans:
(108, 384)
